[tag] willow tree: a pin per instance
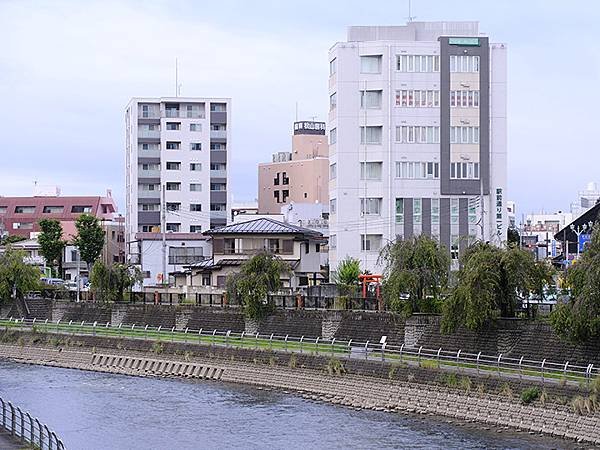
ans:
(492, 282)
(579, 320)
(415, 272)
(16, 277)
(257, 277)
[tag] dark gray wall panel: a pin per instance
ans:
(408, 218)
(445, 222)
(218, 117)
(426, 219)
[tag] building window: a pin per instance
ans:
(417, 170)
(435, 211)
(454, 247)
(370, 99)
(464, 63)
(418, 63)
(370, 64)
(417, 135)
(472, 214)
(464, 99)
(3, 209)
(195, 167)
(53, 209)
(218, 186)
(218, 207)
(464, 171)
(276, 180)
(276, 196)
(370, 242)
(195, 146)
(185, 255)
(332, 66)
(218, 166)
(195, 228)
(195, 207)
(173, 206)
(171, 186)
(173, 126)
(464, 135)
(24, 209)
(195, 127)
(174, 227)
(22, 225)
(333, 171)
(149, 147)
(149, 228)
(81, 209)
(333, 241)
(218, 127)
(400, 210)
(148, 187)
(149, 207)
(218, 146)
(332, 136)
(284, 195)
(172, 145)
(371, 171)
(418, 99)
(370, 206)
(417, 210)
(333, 206)
(172, 165)
(218, 107)
(284, 178)
(371, 135)
(454, 210)
(149, 166)
(195, 187)
(332, 101)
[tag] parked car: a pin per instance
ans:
(53, 281)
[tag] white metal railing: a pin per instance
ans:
(460, 361)
(29, 430)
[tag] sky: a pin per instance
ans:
(68, 68)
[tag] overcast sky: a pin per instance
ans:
(68, 68)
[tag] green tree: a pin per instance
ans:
(89, 239)
(492, 282)
(513, 237)
(257, 277)
(110, 283)
(415, 273)
(346, 275)
(16, 277)
(51, 243)
(579, 319)
(12, 239)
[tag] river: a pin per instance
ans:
(91, 410)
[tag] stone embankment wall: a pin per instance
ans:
(511, 338)
(351, 382)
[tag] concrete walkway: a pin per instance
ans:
(7, 442)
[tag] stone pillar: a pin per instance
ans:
(330, 323)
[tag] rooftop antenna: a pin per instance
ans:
(313, 118)
(296, 111)
(410, 17)
(177, 84)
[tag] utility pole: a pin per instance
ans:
(163, 226)
(78, 274)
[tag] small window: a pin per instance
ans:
(332, 136)
(370, 64)
(195, 207)
(195, 127)
(332, 206)
(195, 228)
(276, 196)
(53, 209)
(332, 101)
(172, 145)
(371, 135)
(172, 165)
(195, 167)
(22, 225)
(195, 146)
(218, 186)
(174, 227)
(173, 126)
(218, 146)
(171, 186)
(218, 107)
(24, 209)
(195, 187)
(173, 206)
(332, 66)
(81, 209)
(3, 209)
(333, 171)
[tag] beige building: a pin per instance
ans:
(300, 176)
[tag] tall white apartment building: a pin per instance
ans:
(417, 138)
(180, 144)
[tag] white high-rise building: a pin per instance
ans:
(181, 144)
(417, 138)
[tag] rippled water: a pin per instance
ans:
(102, 411)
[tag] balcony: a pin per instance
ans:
(149, 153)
(153, 134)
(218, 214)
(148, 173)
(172, 113)
(149, 194)
(253, 251)
(218, 134)
(218, 173)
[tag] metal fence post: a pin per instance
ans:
(458, 359)
(213, 337)
(227, 338)
(286, 342)
(22, 434)
(521, 368)
(565, 370)
(438, 356)
(478, 356)
(95, 328)
(12, 419)
(31, 434)
(271, 342)
(499, 358)
(419, 355)
(49, 437)
(256, 341)
(185, 335)
(401, 348)
(366, 349)
(301, 340)
(349, 348)
(317, 346)
(383, 352)
(543, 364)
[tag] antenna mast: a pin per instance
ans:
(410, 16)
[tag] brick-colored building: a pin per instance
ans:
(299, 176)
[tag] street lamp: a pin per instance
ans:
(580, 230)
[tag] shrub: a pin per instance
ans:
(530, 395)
(429, 364)
(451, 380)
(157, 348)
(506, 391)
(335, 367)
(293, 362)
(465, 384)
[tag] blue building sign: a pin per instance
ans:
(584, 241)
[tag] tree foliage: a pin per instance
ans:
(257, 277)
(491, 283)
(109, 283)
(415, 274)
(12, 239)
(346, 275)
(513, 237)
(579, 320)
(90, 238)
(52, 243)
(16, 277)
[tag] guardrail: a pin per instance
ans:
(29, 430)
(461, 361)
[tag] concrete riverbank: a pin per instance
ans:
(354, 383)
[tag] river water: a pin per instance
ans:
(90, 410)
